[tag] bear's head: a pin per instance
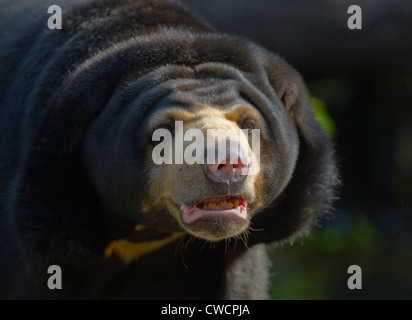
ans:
(203, 158)
(216, 139)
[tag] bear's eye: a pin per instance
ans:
(162, 132)
(249, 125)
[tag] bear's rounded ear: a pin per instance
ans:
(311, 190)
(55, 211)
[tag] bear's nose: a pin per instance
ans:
(230, 168)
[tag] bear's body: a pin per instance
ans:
(75, 174)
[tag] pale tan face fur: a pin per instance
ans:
(175, 184)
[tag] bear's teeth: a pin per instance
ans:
(221, 205)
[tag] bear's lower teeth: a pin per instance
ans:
(221, 205)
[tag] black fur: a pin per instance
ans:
(108, 59)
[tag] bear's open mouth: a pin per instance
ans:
(228, 206)
(221, 203)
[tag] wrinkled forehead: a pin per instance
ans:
(182, 93)
(212, 84)
(196, 93)
(234, 113)
(199, 94)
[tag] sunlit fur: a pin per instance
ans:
(173, 185)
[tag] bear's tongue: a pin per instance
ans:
(235, 207)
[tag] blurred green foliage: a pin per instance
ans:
(326, 122)
(315, 267)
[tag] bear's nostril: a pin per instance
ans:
(229, 170)
(238, 164)
(221, 166)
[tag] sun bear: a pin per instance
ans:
(84, 112)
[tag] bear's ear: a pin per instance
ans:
(55, 211)
(311, 189)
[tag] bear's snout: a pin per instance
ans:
(231, 169)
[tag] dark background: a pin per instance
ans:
(364, 78)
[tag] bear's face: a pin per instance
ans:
(212, 199)
(202, 158)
